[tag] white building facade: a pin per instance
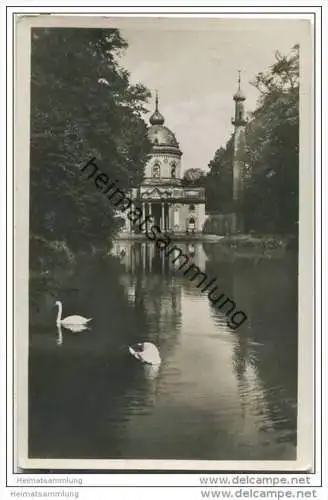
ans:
(172, 207)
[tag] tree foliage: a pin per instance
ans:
(219, 180)
(271, 197)
(194, 177)
(82, 106)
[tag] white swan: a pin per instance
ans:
(146, 352)
(70, 321)
(72, 328)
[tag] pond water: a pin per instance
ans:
(219, 394)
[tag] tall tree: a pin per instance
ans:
(272, 137)
(219, 180)
(82, 106)
(271, 197)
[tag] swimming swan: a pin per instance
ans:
(146, 352)
(70, 320)
(72, 328)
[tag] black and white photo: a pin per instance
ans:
(168, 210)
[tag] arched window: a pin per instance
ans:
(191, 225)
(191, 208)
(156, 170)
(173, 170)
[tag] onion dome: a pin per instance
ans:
(156, 118)
(162, 138)
(239, 95)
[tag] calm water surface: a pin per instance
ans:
(219, 394)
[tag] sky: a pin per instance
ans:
(193, 63)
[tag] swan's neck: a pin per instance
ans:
(60, 309)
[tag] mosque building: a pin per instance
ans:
(173, 207)
(168, 204)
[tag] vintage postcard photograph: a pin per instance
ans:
(164, 243)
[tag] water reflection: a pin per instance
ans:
(59, 339)
(218, 394)
(71, 328)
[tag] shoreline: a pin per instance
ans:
(173, 236)
(273, 241)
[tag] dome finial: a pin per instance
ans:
(156, 118)
(156, 100)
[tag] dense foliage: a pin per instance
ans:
(272, 135)
(82, 106)
(219, 180)
(194, 177)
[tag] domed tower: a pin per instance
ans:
(164, 164)
(166, 205)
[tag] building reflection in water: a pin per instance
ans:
(177, 312)
(265, 349)
(218, 394)
(152, 286)
(152, 290)
(146, 258)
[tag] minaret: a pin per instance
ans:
(238, 168)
